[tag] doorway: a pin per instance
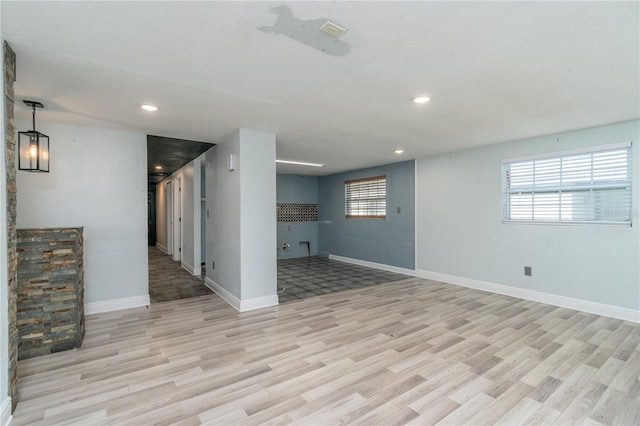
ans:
(204, 213)
(175, 263)
(151, 215)
(169, 215)
(177, 222)
(175, 170)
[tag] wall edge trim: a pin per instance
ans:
(241, 305)
(259, 303)
(415, 212)
(581, 305)
(5, 411)
(189, 268)
(116, 304)
(223, 293)
(162, 248)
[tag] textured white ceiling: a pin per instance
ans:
(496, 71)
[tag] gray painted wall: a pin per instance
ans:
(98, 180)
(389, 241)
(257, 168)
(241, 228)
(223, 223)
(460, 230)
(297, 189)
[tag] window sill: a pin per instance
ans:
(365, 217)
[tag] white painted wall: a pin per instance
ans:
(169, 214)
(203, 210)
(161, 216)
(196, 208)
(187, 218)
(241, 228)
(5, 401)
(98, 180)
(176, 196)
(185, 175)
(460, 232)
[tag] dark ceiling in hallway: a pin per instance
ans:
(166, 155)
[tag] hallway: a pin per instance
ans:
(168, 281)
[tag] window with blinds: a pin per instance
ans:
(591, 186)
(366, 198)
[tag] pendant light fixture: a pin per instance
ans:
(33, 146)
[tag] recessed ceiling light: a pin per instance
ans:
(158, 167)
(398, 151)
(149, 107)
(422, 99)
(299, 163)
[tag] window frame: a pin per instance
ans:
(347, 200)
(560, 189)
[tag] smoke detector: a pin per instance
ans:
(333, 29)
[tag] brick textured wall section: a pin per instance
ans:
(50, 291)
(9, 67)
(296, 212)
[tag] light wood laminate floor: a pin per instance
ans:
(408, 352)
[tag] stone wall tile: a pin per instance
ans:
(50, 291)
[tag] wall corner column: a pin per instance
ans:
(9, 68)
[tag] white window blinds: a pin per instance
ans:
(366, 198)
(577, 187)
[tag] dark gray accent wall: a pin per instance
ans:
(303, 190)
(390, 241)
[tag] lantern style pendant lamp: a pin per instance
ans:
(33, 146)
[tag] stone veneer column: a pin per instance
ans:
(50, 291)
(12, 259)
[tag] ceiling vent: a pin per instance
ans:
(333, 29)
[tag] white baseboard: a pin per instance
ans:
(536, 296)
(5, 411)
(162, 248)
(532, 295)
(241, 305)
(375, 265)
(190, 268)
(116, 304)
(258, 303)
(224, 294)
